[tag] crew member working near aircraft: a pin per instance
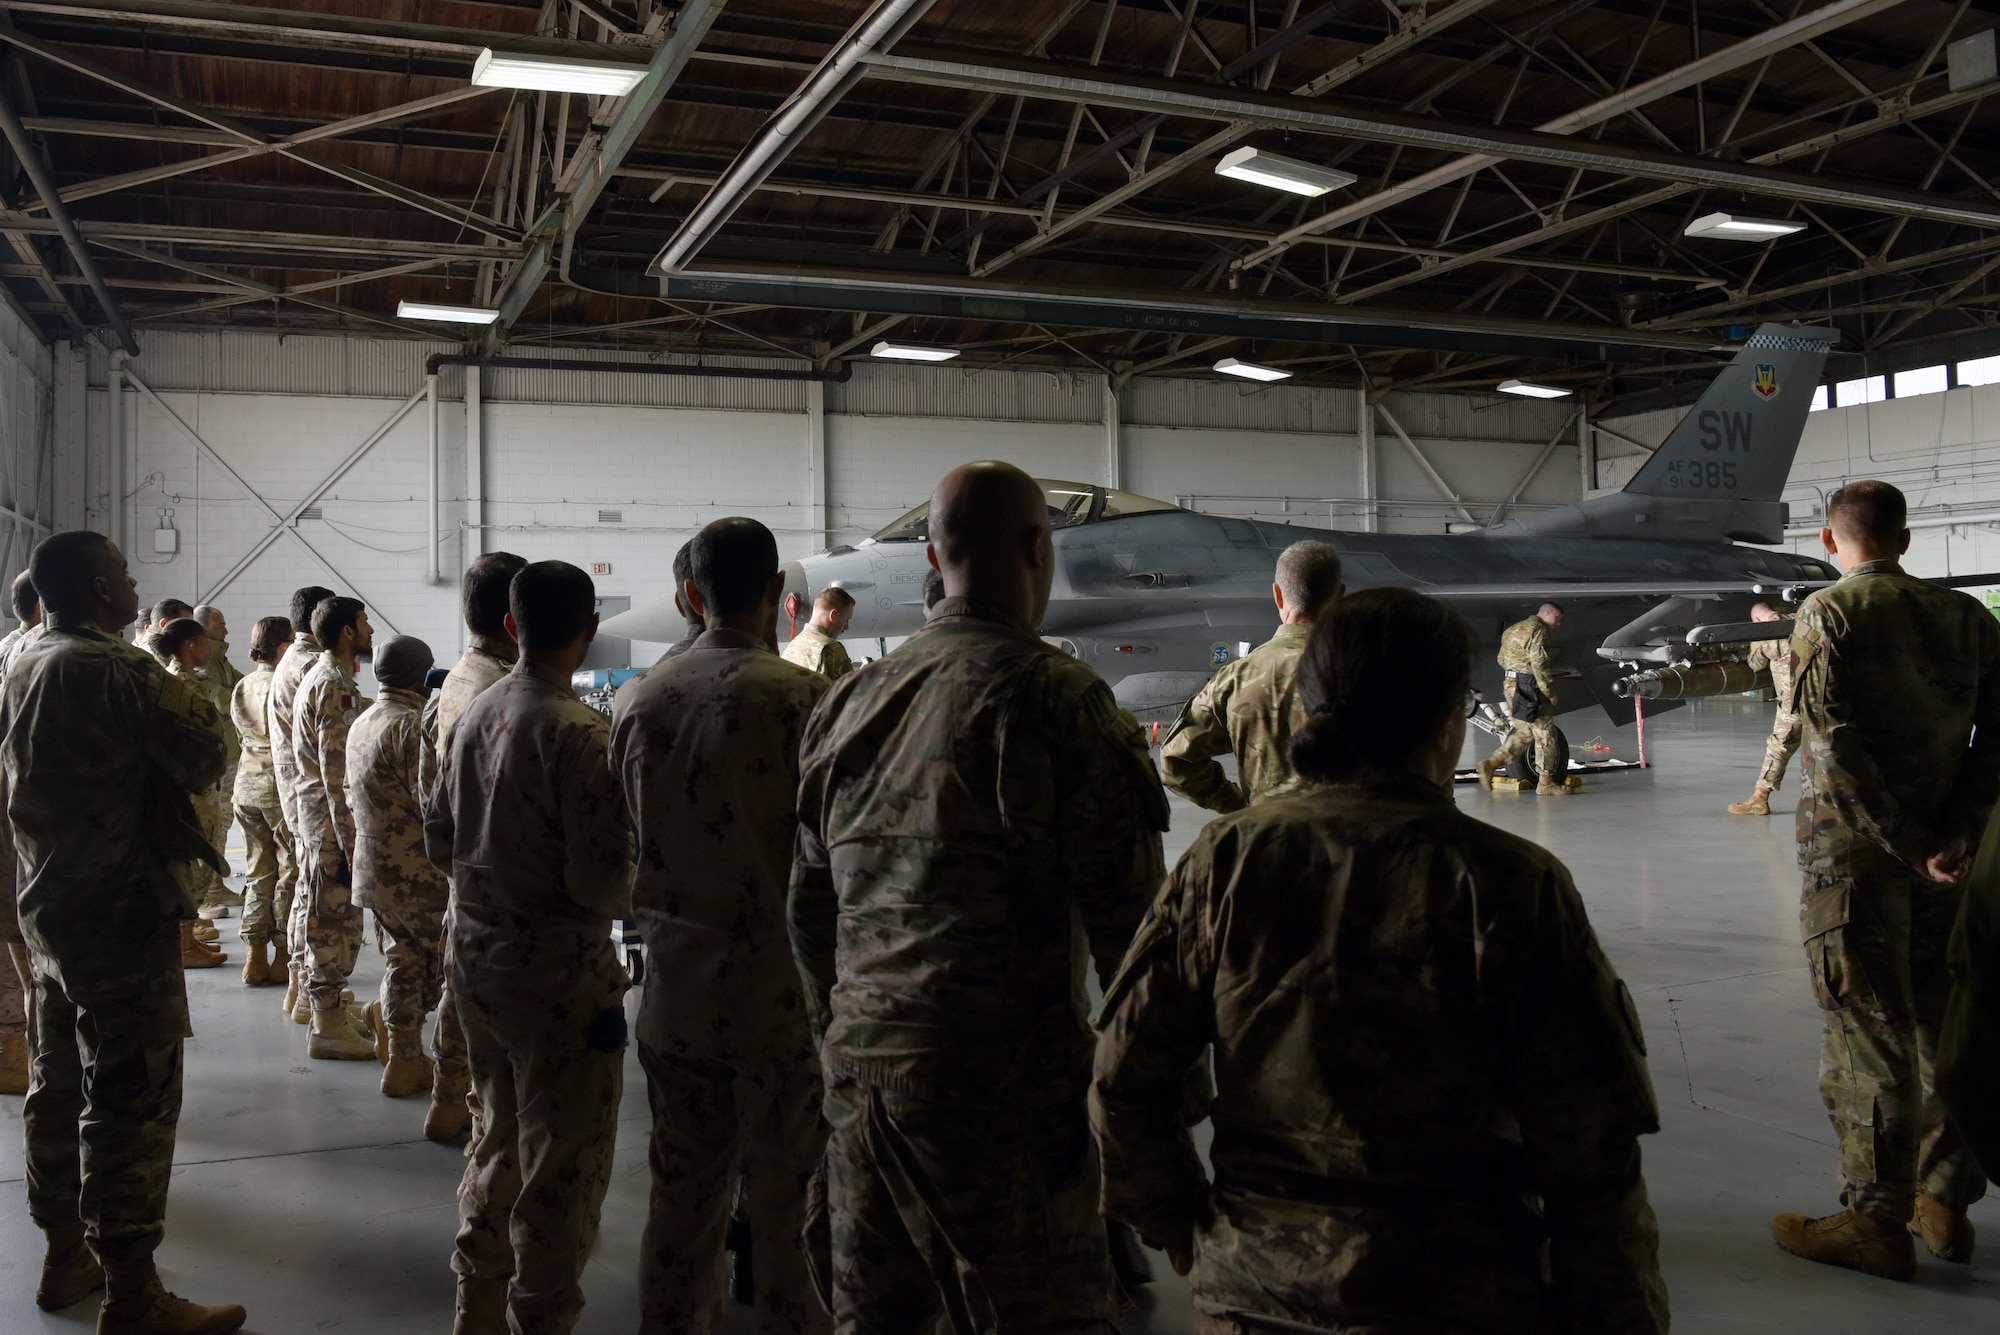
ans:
(1531, 701)
(817, 647)
(1783, 743)
(1251, 707)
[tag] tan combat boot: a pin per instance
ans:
(334, 1039)
(197, 954)
(256, 965)
(204, 930)
(408, 1070)
(302, 1009)
(1944, 1229)
(449, 1115)
(1551, 787)
(291, 986)
(1847, 1239)
(142, 1306)
(1487, 769)
(481, 1307)
(1758, 805)
(70, 1273)
(377, 1030)
(13, 1063)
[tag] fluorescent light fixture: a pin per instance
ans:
(1280, 173)
(431, 310)
(556, 74)
(1250, 370)
(1737, 227)
(911, 352)
(1529, 390)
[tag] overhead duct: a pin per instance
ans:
(840, 375)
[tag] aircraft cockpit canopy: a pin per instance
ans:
(1070, 504)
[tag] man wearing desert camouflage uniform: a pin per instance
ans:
(971, 807)
(285, 679)
(1775, 656)
(270, 870)
(392, 875)
(328, 702)
(1250, 708)
(1898, 691)
(1531, 702)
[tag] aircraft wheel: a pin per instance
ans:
(1523, 766)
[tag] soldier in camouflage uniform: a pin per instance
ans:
(1898, 690)
(489, 656)
(102, 750)
(1775, 657)
(222, 676)
(16, 974)
(270, 874)
(1531, 702)
(1250, 708)
(971, 808)
(392, 876)
(532, 823)
(707, 745)
(1406, 1133)
(183, 646)
(286, 675)
(817, 646)
(328, 702)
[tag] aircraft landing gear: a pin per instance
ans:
(1522, 767)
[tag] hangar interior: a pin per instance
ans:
(217, 218)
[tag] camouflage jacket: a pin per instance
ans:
(11, 642)
(220, 669)
(1413, 1029)
(530, 823)
(1898, 691)
(384, 755)
(328, 702)
(284, 693)
(707, 746)
(487, 659)
(1524, 647)
(816, 651)
(1777, 657)
(102, 750)
(249, 711)
(962, 803)
(1251, 708)
(218, 698)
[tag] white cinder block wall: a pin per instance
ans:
(560, 452)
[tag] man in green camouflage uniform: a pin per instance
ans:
(328, 702)
(102, 750)
(212, 805)
(270, 871)
(1525, 658)
(971, 808)
(392, 875)
(707, 744)
(1250, 708)
(1898, 691)
(1775, 657)
(222, 677)
(817, 646)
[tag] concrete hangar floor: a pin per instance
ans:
(304, 1194)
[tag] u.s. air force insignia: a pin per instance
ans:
(1764, 380)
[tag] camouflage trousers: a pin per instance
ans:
(213, 810)
(270, 874)
(1876, 947)
(711, 1121)
(1540, 734)
(100, 1115)
(413, 977)
(1779, 748)
(333, 938)
(540, 1158)
(984, 1212)
(13, 996)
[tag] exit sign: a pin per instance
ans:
(600, 567)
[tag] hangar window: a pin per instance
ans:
(1923, 380)
(1873, 389)
(1984, 371)
(1822, 400)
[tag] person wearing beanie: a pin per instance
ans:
(392, 876)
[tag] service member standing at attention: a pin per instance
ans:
(392, 875)
(16, 974)
(817, 646)
(533, 824)
(683, 572)
(328, 702)
(1898, 691)
(1250, 708)
(964, 804)
(1531, 702)
(270, 873)
(183, 646)
(1783, 743)
(1415, 1034)
(102, 749)
(286, 675)
(707, 744)
(217, 626)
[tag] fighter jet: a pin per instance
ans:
(1156, 597)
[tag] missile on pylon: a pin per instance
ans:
(1692, 681)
